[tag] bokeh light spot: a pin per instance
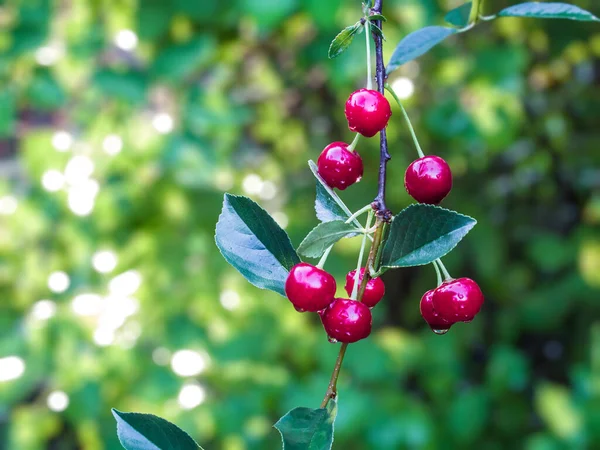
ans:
(188, 363)
(58, 282)
(57, 401)
(11, 368)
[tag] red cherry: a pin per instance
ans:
(367, 112)
(438, 324)
(347, 320)
(428, 179)
(338, 166)
(373, 291)
(309, 288)
(458, 300)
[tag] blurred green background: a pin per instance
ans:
(121, 125)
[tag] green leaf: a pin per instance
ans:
(416, 44)
(342, 210)
(252, 242)
(422, 233)
(550, 10)
(148, 432)
(374, 17)
(325, 235)
(459, 17)
(378, 31)
(308, 429)
(343, 40)
(326, 207)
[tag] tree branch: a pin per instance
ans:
(379, 203)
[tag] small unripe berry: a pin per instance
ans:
(438, 324)
(458, 300)
(428, 179)
(367, 112)
(339, 167)
(374, 290)
(309, 288)
(347, 320)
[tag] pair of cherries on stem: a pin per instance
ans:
(427, 179)
(455, 300)
(310, 288)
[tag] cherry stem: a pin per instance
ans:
(352, 146)
(360, 256)
(324, 257)
(474, 14)
(407, 119)
(369, 71)
(379, 205)
(361, 211)
(332, 387)
(437, 272)
(444, 270)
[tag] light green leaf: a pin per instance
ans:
(343, 40)
(551, 10)
(325, 235)
(148, 432)
(252, 242)
(308, 429)
(374, 17)
(422, 233)
(326, 207)
(416, 44)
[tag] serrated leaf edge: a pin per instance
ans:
(225, 196)
(389, 266)
(353, 29)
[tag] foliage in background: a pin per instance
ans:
(237, 96)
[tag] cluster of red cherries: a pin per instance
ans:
(428, 180)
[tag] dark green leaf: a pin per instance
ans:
(550, 10)
(147, 432)
(422, 233)
(252, 242)
(374, 17)
(459, 17)
(375, 29)
(326, 207)
(308, 429)
(416, 44)
(343, 40)
(325, 235)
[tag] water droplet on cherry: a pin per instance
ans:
(440, 331)
(332, 340)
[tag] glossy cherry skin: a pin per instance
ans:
(458, 300)
(374, 290)
(309, 288)
(347, 320)
(428, 179)
(367, 112)
(339, 167)
(437, 323)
